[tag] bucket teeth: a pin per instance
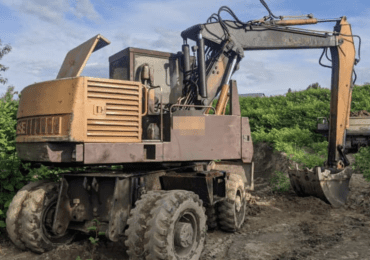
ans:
(329, 185)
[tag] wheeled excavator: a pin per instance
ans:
(182, 159)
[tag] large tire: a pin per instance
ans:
(174, 229)
(211, 217)
(232, 210)
(137, 226)
(30, 215)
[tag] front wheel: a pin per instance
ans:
(175, 227)
(30, 217)
(231, 211)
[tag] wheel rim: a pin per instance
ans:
(47, 225)
(186, 230)
(239, 208)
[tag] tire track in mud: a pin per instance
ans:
(289, 227)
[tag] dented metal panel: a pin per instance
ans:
(76, 59)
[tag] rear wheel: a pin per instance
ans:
(30, 218)
(211, 217)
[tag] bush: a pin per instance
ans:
(11, 177)
(360, 98)
(295, 109)
(288, 122)
(301, 145)
(362, 162)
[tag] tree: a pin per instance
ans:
(3, 50)
(314, 85)
(10, 90)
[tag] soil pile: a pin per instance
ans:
(362, 113)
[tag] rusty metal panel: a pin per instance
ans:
(79, 154)
(246, 141)
(46, 152)
(113, 110)
(189, 125)
(101, 153)
(63, 210)
(43, 128)
(245, 170)
(76, 58)
(119, 212)
(221, 141)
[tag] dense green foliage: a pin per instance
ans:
(3, 51)
(10, 178)
(299, 109)
(288, 122)
(361, 98)
(362, 162)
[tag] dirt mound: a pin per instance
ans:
(267, 161)
(362, 113)
(359, 196)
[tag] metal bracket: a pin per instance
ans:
(63, 211)
(120, 209)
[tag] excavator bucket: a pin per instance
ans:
(329, 185)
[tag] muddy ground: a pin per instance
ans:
(278, 226)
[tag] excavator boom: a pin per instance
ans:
(228, 40)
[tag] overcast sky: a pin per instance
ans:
(41, 33)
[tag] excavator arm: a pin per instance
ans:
(220, 48)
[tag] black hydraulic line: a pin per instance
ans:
(186, 51)
(359, 47)
(355, 74)
(326, 54)
(322, 55)
(268, 9)
(201, 67)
